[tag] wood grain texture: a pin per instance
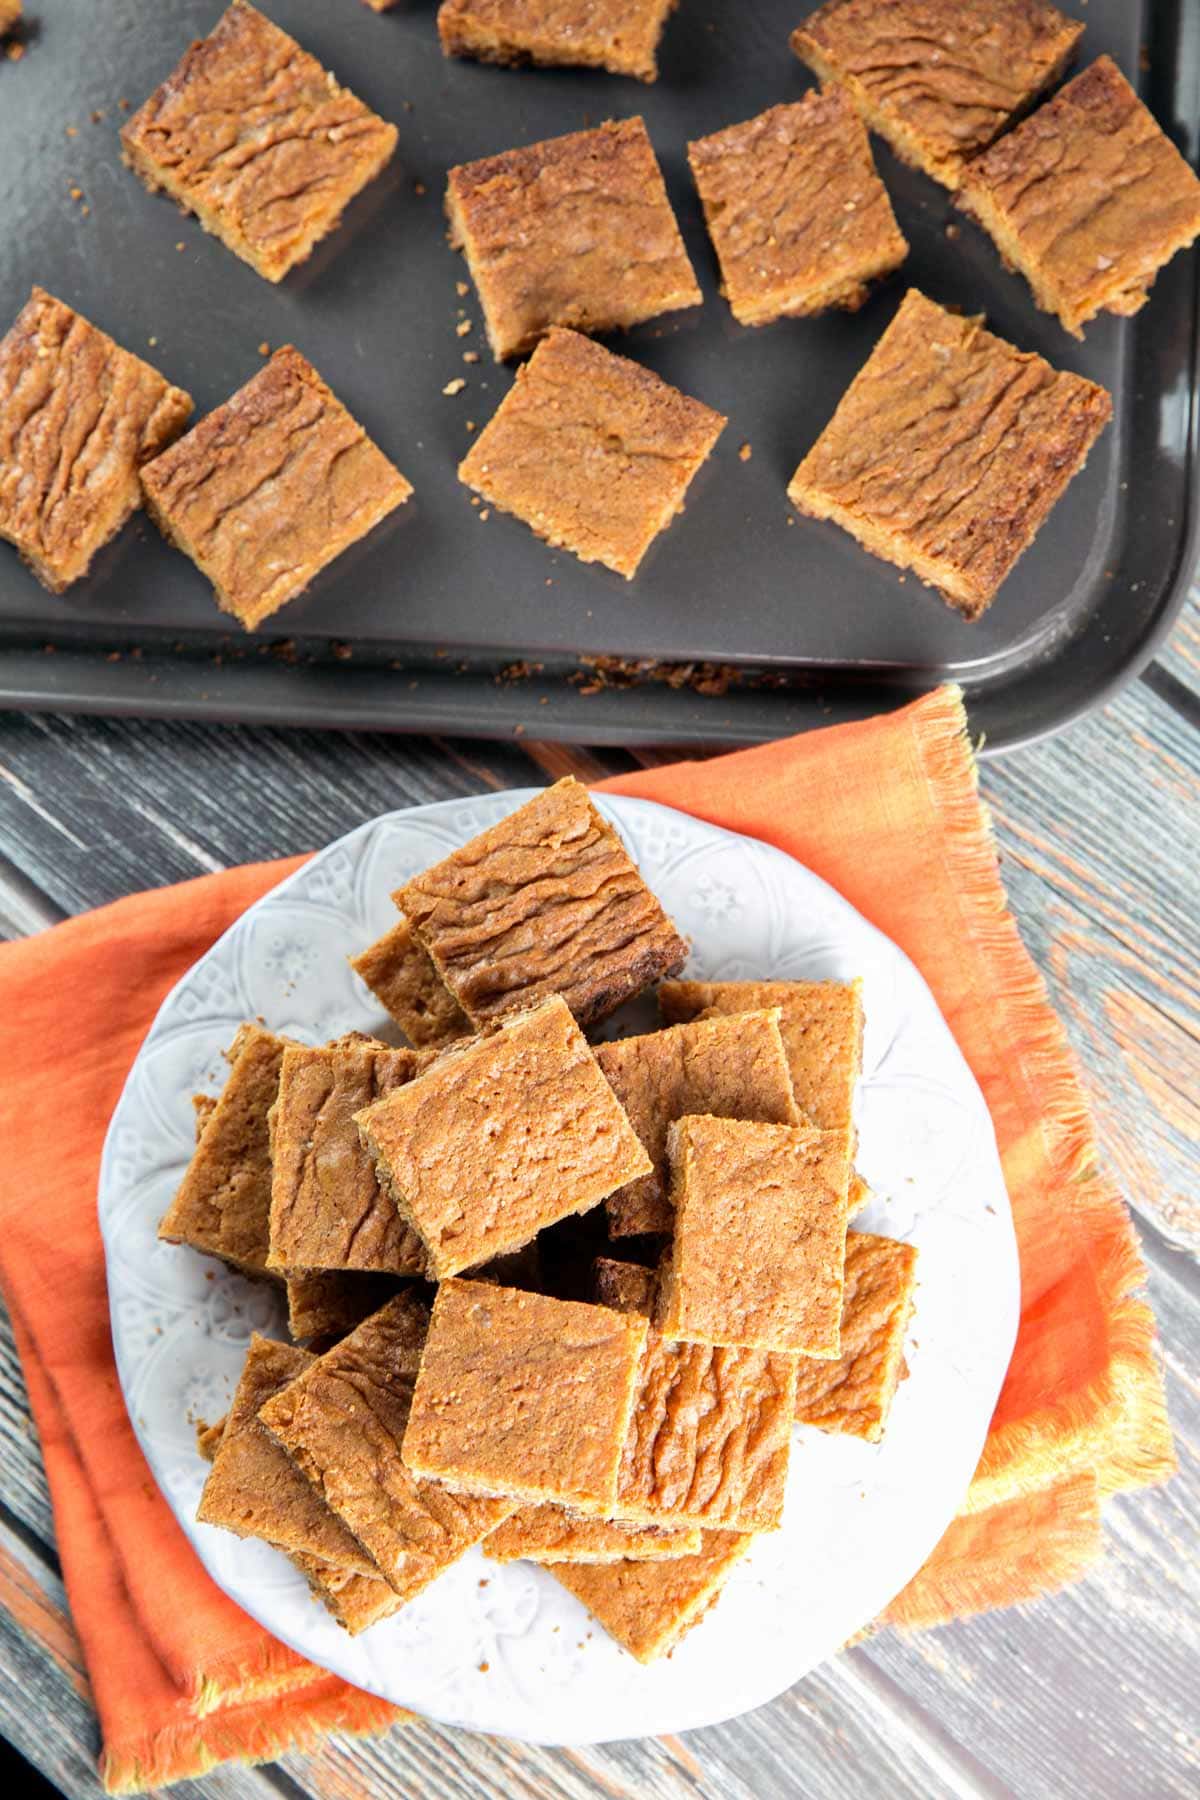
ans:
(1087, 1693)
(1099, 874)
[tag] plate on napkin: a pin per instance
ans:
(504, 1648)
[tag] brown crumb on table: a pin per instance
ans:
(454, 387)
(72, 131)
(264, 349)
(470, 356)
(419, 188)
(463, 327)
(462, 287)
(745, 452)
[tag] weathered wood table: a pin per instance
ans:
(1095, 1693)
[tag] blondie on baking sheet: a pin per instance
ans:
(744, 620)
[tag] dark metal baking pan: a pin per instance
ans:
(443, 620)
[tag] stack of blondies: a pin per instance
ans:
(565, 1300)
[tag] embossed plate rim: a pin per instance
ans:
(505, 1649)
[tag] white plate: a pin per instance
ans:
(504, 1648)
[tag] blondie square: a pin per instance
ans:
(342, 1423)
(618, 35)
(328, 1210)
(547, 901)
(1088, 199)
(551, 1534)
(574, 231)
(733, 1068)
(523, 1395)
(593, 452)
(254, 1490)
(948, 451)
(78, 418)
(406, 984)
(356, 1600)
(821, 1023)
(649, 1606)
(502, 1136)
(760, 1236)
(327, 1304)
(797, 214)
(939, 79)
(252, 135)
(854, 1394)
(223, 1204)
(711, 1432)
(270, 488)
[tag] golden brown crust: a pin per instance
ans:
(252, 135)
(550, 1534)
(820, 1022)
(406, 984)
(254, 1490)
(342, 1424)
(593, 452)
(325, 1305)
(797, 214)
(853, 1393)
(731, 1068)
(948, 450)
(223, 1204)
(574, 231)
(328, 1210)
(760, 1236)
(618, 35)
(524, 1395)
(78, 418)
(356, 1601)
(546, 902)
(504, 1135)
(1088, 198)
(711, 1431)
(648, 1607)
(939, 79)
(271, 487)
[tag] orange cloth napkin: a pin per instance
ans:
(886, 811)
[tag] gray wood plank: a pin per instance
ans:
(1180, 655)
(1092, 1691)
(1094, 829)
(91, 809)
(45, 1703)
